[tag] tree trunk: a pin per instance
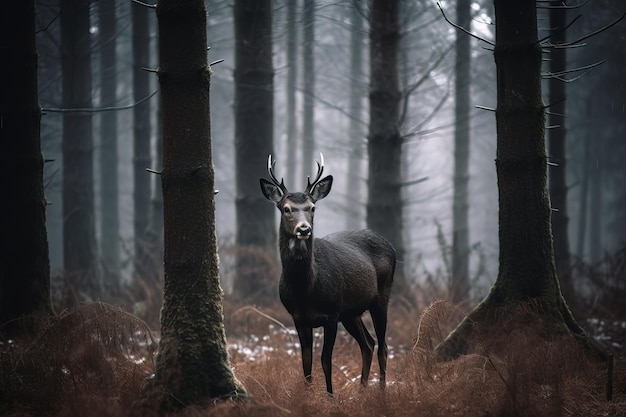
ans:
(292, 78)
(596, 199)
(254, 129)
(308, 89)
(459, 284)
(192, 365)
(384, 206)
(556, 152)
(526, 272)
(356, 135)
(24, 262)
(109, 220)
(79, 243)
(141, 135)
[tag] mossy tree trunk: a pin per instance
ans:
(192, 365)
(527, 270)
(24, 263)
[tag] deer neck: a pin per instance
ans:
(297, 257)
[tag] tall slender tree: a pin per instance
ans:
(24, 262)
(526, 271)
(109, 219)
(141, 132)
(384, 206)
(459, 284)
(79, 243)
(356, 135)
(254, 127)
(292, 78)
(192, 366)
(308, 87)
(556, 150)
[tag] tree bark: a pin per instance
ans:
(82, 276)
(192, 365)
(384, 206)
(254, 130)
(459, 284)
(141, 135)
(557, 153)
(526, 272)
(109, 220)
(24, 262)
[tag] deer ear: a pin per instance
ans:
(271, 191)
(322, 188)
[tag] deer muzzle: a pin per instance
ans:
(303, 232)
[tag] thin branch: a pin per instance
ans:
(149, 6)
(559, 75)
(43, 29)
(602, 29)
(554, 104)
(419, 82)
(152, 171)
(413, 182)
(99, 109)
(484, 108)
(562, 6)
(560, 30)
(462, 29)
(150, 70)
(216, 62)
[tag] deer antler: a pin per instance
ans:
(270, 170)
(320, 170)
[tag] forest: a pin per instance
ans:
(143, 271)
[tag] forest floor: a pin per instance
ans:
(94, 361)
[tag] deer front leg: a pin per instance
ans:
(330, 334)
(305, 334)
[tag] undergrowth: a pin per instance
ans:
(95, 360)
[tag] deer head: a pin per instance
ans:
(297, 208)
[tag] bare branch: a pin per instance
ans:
(484, 108)
(462, 29)
(100, 109)
(561, 6)
(602, 29)
(559, 30)
(419, 82)
(149, 6)
(559, 75)
(43, 29)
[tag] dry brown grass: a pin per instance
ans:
(84, 363)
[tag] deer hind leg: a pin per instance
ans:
(357, 329)
(379, 318)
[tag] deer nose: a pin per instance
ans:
(303, 232)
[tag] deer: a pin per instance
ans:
(332, 279)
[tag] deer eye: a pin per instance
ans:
(313, 209)
(286, 209)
